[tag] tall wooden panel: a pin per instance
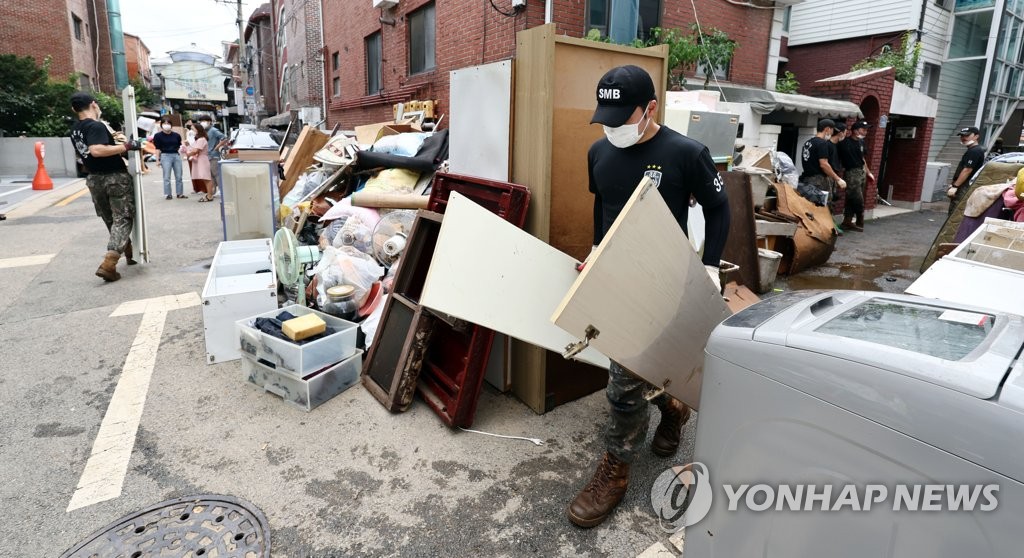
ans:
(555, 83)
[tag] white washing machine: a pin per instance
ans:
(846, 387)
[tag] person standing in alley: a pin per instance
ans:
(168, 142)
(111, 187)
(858, 170)
(197, 151)
(215, 141)
(969, 165)
(636, 146)
(817, 170)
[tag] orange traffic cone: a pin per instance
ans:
(41, 181)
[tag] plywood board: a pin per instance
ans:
(648, 295)
(300, 156)
(478, 144)
(491, 273)
(741, 246)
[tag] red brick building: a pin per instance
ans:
(73, 33)
(299, 40)
(362, 89)
(136, 55)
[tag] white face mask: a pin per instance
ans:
(166, 127)
(626, 135)
(205, 125)
(967, 143)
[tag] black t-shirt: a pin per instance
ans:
(91, 132)
(814, 150)
(833, 157)
(679, 166)
(973, 159)
(167, 142)
(851, 153)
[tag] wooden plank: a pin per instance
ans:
(653, 314)
(741, 246)
(491, 273)
(770, 228)
(300, 156)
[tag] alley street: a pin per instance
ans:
(349, 478)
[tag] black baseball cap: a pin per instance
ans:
(619, 92)
(968, 130)
(860, 124)
(826, 123)
(81, 101)
(840, 127)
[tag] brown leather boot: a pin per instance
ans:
(674, 415)
(108, 269)
(593, 504)
(128, 253)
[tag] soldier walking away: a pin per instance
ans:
(817, 170)
(635, 146)
(969, 165)
(851, 155)
(112, 188)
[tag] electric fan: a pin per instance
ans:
(291, 260)
(390, 234)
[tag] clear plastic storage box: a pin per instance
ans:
(292, 358)
(309, 392)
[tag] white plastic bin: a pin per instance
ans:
(305, 393)
(298, 360)
(768, 265)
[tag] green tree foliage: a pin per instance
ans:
(708, 48)
(787, 83)
(144, 96)
(34, 105)
(22, 84)
(903, 59)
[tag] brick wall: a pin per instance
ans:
(30, 29)
(471, 32)
(907, 160)
(301, 52)
(749, 27)
(809, 63)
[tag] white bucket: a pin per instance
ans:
(768, 265)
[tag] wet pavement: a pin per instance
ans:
(885, 257)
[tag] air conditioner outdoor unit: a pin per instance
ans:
(385, 4)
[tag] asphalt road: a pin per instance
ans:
(348, 479)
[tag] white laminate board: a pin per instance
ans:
(957, 280)
(491, 273)
(646, 292)
(479, 139)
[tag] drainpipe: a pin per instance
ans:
(117, 44)
(548, 9)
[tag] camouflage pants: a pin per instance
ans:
(630, 412)
(854, 192)
(113, 197)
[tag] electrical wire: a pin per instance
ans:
(513, 13)
(710, 66)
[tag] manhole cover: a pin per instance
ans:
(205, 526)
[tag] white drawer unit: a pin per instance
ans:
(242, 282)
(248, 199)
(309, 392)
(293, 358)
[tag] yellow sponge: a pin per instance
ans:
(302, 327)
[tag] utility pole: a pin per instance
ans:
(241, 65)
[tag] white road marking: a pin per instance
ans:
(104, 473)
(15, 191)
(25, 261)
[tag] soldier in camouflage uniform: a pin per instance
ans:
(112, 188)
